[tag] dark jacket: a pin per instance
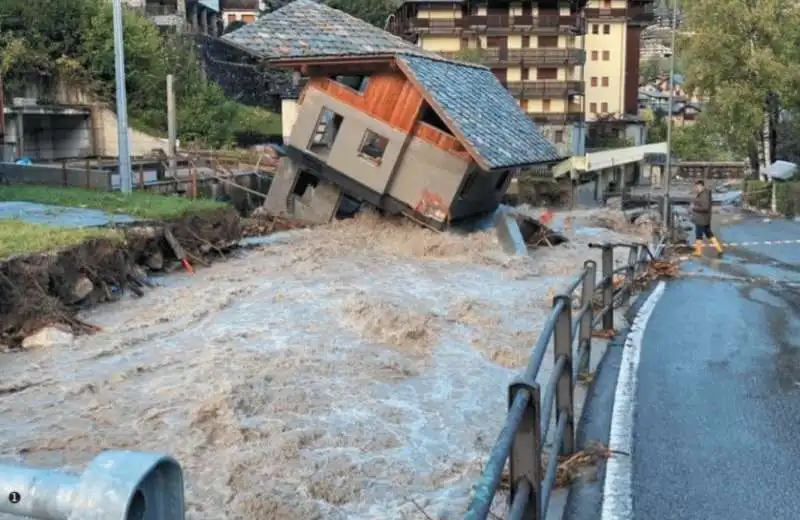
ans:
(701, 209)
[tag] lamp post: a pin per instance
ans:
(668, 165)
(124, 162)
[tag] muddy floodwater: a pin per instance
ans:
(344, 372)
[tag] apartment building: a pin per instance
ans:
(566, 62)
(613, 47)
(245, 11)
(533, 48)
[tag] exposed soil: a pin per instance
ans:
(43, 289)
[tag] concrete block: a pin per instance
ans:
(318, 204)
(281, 187)
(509, 234)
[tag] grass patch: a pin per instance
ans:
(18, 237)
(138, 204)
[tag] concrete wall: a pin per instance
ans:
(48, 136)
(426, 171)
(55, 176)
(343, 155)
(105, 129)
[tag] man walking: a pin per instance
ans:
(701, 218)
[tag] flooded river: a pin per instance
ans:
(346, 372)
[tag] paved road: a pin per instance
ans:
(716, 429)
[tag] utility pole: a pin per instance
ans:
(171, 126)
(668, 165)
(125, 176)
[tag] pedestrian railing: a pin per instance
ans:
(520, 441)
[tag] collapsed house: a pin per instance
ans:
(385, 122)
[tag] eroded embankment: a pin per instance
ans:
(43, 289)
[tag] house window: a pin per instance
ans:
(526, 42)
(373, 146)
(606, 4)
(357, 83)
(304, 181)
(546, 73)
(604, 108)
(559, 136)
(328, 126)
(248, 18)
(595, 55)
(606, 29)
(546, 104)
(592, 108)
(231, 18)
(606, 55)
(523, 103)
(526, 73)
(594, 81)
(595, 29)
(605, 81)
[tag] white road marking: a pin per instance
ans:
(617, 494)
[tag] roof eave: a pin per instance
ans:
(527, 165)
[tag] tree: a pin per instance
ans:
(738, 51)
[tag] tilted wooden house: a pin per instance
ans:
(388, 123)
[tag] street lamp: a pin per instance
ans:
(124, 162)
(668, 165)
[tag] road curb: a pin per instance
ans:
(585, 498)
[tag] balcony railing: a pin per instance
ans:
(496, 23)
(544, 88)
(643, 13)
(556, 118)
(541, 56)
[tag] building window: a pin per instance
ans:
(606, 55)
(231, 18)
(357, 83)
(606, 29)
(594, 81)
(526, 73)
(605, 81)
(604, 108)
(373, 146)
(546, 104)
(548, 42)
(328, 126)
(592, 108)
(559, 136)
(526, 42)
(523, 103)
(595, 55)
(606, 4)
(248, 18)
(546, 73)
(595, 29)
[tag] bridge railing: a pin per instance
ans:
(569, 327)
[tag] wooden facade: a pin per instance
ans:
(391, 98)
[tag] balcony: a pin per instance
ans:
(641, 14)
(498, 24)
(545, 89)
(539, 57)
(555, 118)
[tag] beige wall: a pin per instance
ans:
(288, 117)
(441, 174)
(344, 153)
(444, 13)
(440, 43)
(614, 69)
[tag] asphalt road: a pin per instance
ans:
(716, 430)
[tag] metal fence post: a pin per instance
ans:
(633, 258)
(608, 287)
(562, 346)
(587, 298)
(525, 457)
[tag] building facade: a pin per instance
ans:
(197, 16)
(565, 62)
(245, 11)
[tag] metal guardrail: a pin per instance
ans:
(520, 441)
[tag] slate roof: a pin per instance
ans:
(306, 28)
(476, 106)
